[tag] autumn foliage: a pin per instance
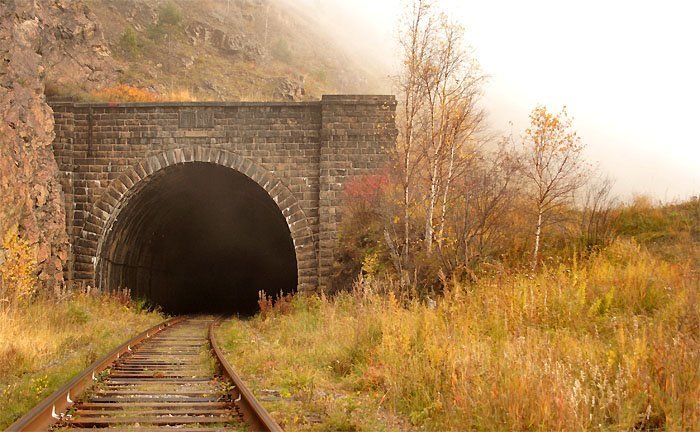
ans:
(363, 214)
(456, 200)
(17, 279)
(128, 93)
(125, 93)
(609, 343)
(366, 191)
(552, 166)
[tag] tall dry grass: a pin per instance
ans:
(612, 343)
(127, 93)
(45, 342)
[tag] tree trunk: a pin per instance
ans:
(430, 212)
(406, 227)
(538, 233)
(467, 254)
(443, 213)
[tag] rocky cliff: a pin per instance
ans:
(36, 37)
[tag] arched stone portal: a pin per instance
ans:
(199, 230)
(299, 153)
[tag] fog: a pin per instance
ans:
(627, 72)
(367, 40)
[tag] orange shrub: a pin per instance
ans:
(17, 265)
(126, 93)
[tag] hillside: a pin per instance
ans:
(166, 49)
(211, 50)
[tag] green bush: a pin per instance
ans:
(169, 14)
(169, 22)
(280, 51)
(130, 42)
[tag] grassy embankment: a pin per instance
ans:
(45, 343)
(607, 343)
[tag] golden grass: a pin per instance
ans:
(127, 93)
(612, 343)
(46, 342)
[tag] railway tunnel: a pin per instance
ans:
(199, 238)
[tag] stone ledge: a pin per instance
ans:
(369, 99)
(179, 104)
(353, 99)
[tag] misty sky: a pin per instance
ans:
(628, 71)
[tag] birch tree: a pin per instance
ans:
(490, 192)
(450, 80)
(438, 119)
(414, 37)
(552, 165)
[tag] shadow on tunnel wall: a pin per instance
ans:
(199, 238)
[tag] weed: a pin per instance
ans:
(125, 93)
(11, 360)
(17, 265)
(130, 42)
(611, 342)
(270, 306)
(40, 384)
(169, 22)
(77, 314)
(45, 342)
(339, 422)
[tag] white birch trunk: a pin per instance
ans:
(538, 233)
(431, 212)
(443, 213)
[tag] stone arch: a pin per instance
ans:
(114, 198)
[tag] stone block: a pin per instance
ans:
(301, 153)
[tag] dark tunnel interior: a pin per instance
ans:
(200, 238)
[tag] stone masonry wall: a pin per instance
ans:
(357, 132)
(312, 148)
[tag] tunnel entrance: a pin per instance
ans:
(199, 238)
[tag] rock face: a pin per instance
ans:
(33, 38)
(199, 33)
(72, 46)
(289, 90)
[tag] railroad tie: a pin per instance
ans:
(169, 382)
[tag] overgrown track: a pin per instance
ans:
(171, 377)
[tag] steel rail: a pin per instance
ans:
(51, 409)
(254, 413)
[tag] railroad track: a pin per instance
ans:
(173, 377)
